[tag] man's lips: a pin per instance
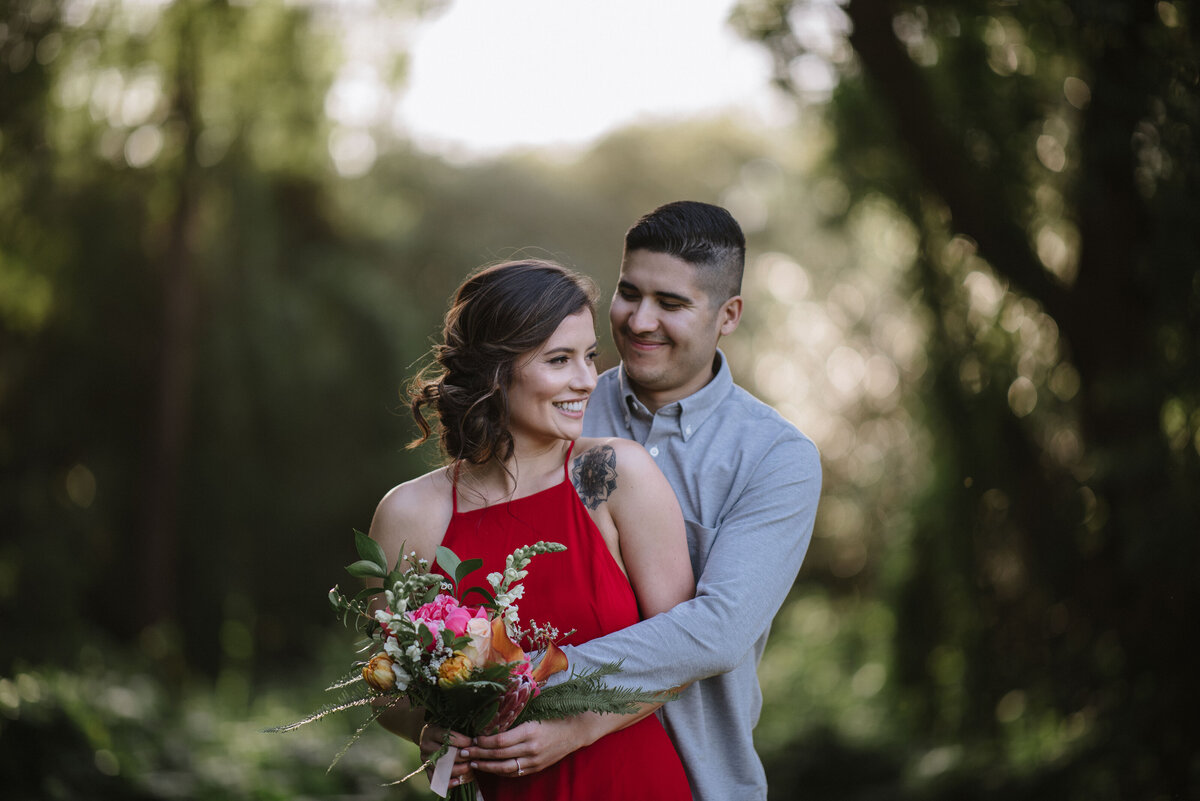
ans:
(646, 344)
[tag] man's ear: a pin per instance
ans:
(730, 315)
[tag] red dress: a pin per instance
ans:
(581, 588)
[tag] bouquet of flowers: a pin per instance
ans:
(462, 664)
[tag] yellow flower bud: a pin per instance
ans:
(454, 669)
(378, 673)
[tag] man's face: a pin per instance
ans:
(665, 326)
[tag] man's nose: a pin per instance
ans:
(643, 318)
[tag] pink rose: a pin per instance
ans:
(459, 617)
(444, 612)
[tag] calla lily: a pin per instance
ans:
(553, 661)
(504, 649)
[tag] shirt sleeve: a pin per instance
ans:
(753, 562)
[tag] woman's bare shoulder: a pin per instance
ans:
(621, 454)
(601, 466)
(414, 515)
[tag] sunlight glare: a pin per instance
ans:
(490, 76)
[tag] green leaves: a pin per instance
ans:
(587, 692)
(372, 562)
(364, 568)
(455, 567)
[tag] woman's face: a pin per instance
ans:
(551, 384)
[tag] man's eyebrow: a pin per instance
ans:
(661, 295)
(673, 296)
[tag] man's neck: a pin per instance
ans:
(656, 400)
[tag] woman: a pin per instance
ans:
(509, 391)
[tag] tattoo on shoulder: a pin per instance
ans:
(594, 475)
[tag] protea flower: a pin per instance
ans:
(521, 688)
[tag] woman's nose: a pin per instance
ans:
(584, 378)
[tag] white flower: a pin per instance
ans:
(494, 579)
(511, 617)
(393, 649)
(403, 678)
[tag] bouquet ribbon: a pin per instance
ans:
(440, 781)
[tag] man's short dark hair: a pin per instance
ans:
(705, 236)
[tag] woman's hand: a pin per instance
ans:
(531, 747)
(430, 741)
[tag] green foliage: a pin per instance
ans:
(587, 691)
(204, 328)
(106, 727)
(455, 567)
(1040, 154)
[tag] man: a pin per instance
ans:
(747, 480)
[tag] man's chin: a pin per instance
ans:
(649, 380)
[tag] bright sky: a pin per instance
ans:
(489, 75)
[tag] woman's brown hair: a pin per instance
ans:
(498, 314)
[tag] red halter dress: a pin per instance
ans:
(581, 588)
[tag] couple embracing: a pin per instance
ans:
(686, 506)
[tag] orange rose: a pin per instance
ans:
(454, 669)
(378, 673)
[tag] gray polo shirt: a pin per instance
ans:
(748, 482)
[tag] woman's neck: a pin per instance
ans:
(531, 468)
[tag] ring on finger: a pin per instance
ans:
(520, 772)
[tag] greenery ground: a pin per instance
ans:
(120, 724)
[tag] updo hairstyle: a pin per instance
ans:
(499, 313)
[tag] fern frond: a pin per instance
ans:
(587, 692)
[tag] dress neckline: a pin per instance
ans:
(510, 501)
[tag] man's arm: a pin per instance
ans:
(750, 569)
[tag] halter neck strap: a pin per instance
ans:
(458, 466)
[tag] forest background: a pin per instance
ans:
(973, 280)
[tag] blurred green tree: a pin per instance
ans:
(216, 280)
(1045, 155)
(182, 316)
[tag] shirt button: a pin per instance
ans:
(688, 431)
(654, 451)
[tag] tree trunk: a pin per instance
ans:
(176, 365)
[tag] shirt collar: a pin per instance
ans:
(691, 411)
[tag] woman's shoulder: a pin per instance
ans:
(415, 514)
(612, 463)
(617, 445)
